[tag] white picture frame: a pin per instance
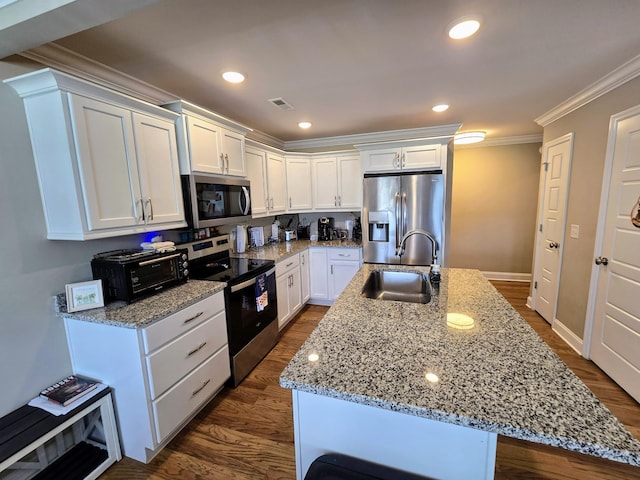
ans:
(84, 295)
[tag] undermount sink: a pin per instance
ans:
(397, 285)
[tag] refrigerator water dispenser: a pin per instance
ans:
(378, 226)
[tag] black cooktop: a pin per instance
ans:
(231, 270)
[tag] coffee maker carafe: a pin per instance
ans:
(325, 228)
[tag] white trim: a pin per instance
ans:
(624, 73)
(265, 139)
(602, 218)
(530, 302)
(508, 276)
(567, 335)
(499, 142)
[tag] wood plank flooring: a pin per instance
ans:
(247, 432)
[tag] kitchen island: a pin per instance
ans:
(409, 386)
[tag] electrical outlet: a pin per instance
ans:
(575, 231)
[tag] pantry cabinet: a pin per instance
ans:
(107, 164)
(208, 142)
(409, 157)
(337, 183)
(266, 172)
(161, 374)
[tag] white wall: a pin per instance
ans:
(33, 349)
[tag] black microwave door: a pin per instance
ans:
(217, 201)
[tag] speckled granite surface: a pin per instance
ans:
(499, 376)
(148, 310)
(282, 250)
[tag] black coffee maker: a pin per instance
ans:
(325, 228)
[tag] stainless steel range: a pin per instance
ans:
(250, 300)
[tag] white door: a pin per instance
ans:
(350, 183)
(257, 175)
(615, 336)
(550, 235)
(277, 183)
(233, 150)
(204, 146)
(299, 184)
(325, 177)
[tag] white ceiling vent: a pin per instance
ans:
(281, 103)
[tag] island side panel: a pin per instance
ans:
(413, 444)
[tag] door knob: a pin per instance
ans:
(554, 245)
(602, 261)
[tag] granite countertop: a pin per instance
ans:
(499, 376)
(280, 251)
(148, 310)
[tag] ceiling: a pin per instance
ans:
(357, 66)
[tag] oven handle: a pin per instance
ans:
(252, 281)
(160, 259)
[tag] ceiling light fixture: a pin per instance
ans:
(233, 77)
(466, 138)
(440, 108)
(304, 125)
(464, 27)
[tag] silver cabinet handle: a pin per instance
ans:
(339, 201)
(226, 157)
(191, 319)
(266, 203)
(197, 390)
(222, 162)
(331, 269)
(140, 218)
(403, 160)
(197, 349)
(292, 280)
(335, 201)
(302, 258)
(289, 202)
(148, 202)
(271, 203)
(602, 261)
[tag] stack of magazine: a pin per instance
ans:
(68, 390)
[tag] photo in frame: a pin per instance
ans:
(84, 295)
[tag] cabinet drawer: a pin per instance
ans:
(180, 322)
(172, 408)
(173, 361)
(283, 266)
(343, 254)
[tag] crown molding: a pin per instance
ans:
(621, 75)
(265, 139)
(499, 142)
(374, 137)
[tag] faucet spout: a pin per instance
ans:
(417, 231)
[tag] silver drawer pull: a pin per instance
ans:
(197, 349)
(344, 255)
(197, 390)
(289, 264)
(191, 319)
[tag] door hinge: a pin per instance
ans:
(535, 285)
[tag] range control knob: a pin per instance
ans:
(185, 272)
(185, 264)
(184, 256)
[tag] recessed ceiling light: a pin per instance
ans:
(464, 27)
(466, 138)
(304, 125)
(233, 77)
(440, 108)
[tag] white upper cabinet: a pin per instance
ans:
(266, 172)
(337, 183)
(299, 189)
(107, 164)
(403, 157)
(208, 142)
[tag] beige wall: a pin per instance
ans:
(591, 127)
(493, 211)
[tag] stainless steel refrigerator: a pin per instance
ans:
(395, 206)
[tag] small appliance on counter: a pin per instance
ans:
(325, 228)
(257, 236)
(129, 275)
(357, 230)
(289, 235)
(241, 239)
(304, 232)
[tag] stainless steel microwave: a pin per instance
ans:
(210, 201)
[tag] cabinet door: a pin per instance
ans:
(256, 163)
(276, 183)
(159, 169)
(204, 145)
(299, 184)
(107, 163)
(350, 183)
(319, 288)
(383, 160)
(282, 294)
(304, 276)
(295, 291)
(233, 151)
(421, 157)
(325, 176)
(340, 274)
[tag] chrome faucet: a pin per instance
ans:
(434, 244)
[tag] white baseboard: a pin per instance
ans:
(508, 276)
(568, 336)
(530, 302)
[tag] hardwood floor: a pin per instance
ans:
(247, 432)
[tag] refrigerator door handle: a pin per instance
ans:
(396, 204)
(405, 226)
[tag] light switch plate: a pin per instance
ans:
(575, 231)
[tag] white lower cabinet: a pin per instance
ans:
(304, 276)
(332, 268)
(161, 375)
(288, 288)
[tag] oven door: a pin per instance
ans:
(244, 321)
